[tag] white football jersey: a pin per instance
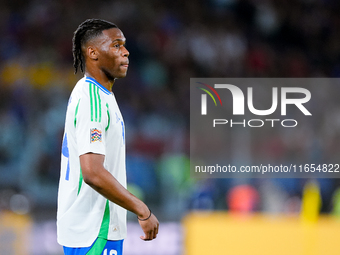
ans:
(93, 124)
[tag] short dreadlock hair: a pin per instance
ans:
(86, 31)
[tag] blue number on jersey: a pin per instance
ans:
(123, 132)
(65, 152)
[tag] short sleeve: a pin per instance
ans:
(90, 135)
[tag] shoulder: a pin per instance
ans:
(78, 94)
(82, 87)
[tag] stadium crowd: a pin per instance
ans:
(169, 42)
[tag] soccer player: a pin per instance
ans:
(92, 196)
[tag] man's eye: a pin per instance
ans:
(116, 46)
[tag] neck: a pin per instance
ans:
(100, 77)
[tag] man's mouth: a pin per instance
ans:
(125, 65)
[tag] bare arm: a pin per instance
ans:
(95, 175)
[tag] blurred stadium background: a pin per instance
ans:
(169, 42)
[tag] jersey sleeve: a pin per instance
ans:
(90, 135)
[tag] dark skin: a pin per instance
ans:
(106, 59)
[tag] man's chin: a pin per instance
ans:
(122, 75)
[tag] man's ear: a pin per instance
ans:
(92, 53)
